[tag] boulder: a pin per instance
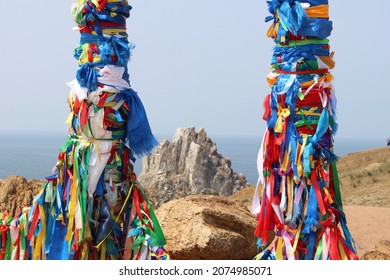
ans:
(190, 164)
(206, 227)
(380, 252)
(16, 192)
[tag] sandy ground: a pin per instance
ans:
(368, 226)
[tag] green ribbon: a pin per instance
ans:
(304, 121)
(67, 143)
(336, 185)
(161, 241)
(83, 198)
(304, 42)
(319, 249)
(9, 244)
(49, 197)
(140, 231)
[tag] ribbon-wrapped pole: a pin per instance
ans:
(298, 195)
(92, 207)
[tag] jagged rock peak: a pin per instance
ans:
(190, 164)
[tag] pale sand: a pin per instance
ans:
(368, 226)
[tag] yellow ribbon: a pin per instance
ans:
(103, 251)
(272, 79)
(95, 2)
(328, 60)
(326, 190)
(326, 78)
(283, 113)
(289, 197)
(73, 201)
(84, 57)
(70, 116)
(40, 241)
(286, 159)
(342, 252)
(298, 159)
(109, 31)
(279, 249)
(297, 235)
(118, 216)
(273, 30)
(84, 251)
(310, 112)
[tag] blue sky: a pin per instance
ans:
(196, 63)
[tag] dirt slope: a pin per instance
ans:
(365, 189)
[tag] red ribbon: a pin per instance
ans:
(317, 191)
(304, 72)
(102, 4)
(84, 113)
(34, 223)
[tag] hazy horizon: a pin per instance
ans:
(19, 152)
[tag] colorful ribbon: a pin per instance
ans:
(93, 206)
(300, 198)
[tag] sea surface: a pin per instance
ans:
(33, 155)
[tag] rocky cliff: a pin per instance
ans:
(190, 164)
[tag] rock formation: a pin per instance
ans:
(16, 192)
(380, 252)
(190, 164)
(206, 227)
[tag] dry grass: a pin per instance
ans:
(364, 179)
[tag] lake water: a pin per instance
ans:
(34, 155)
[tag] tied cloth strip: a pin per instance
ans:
(92, 207)
(298, 194)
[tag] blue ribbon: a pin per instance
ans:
(113, 12)
(347, 234)
(134, 231)
(310, 246)
(316, 2)
(295, 20)
(59, 248)
(273, 5)
(322, 127)
(119, 46)
(294, 143)
(312, 216)
(139, 134)
(316, 27)
(306, 52)
(292, 15)
(87, 75)
(109, 46)
(122, 9)
(92, 15)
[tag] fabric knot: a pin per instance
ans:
(283, 113)
(87, 76)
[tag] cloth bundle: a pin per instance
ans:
(92, 207)
(298, 195)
